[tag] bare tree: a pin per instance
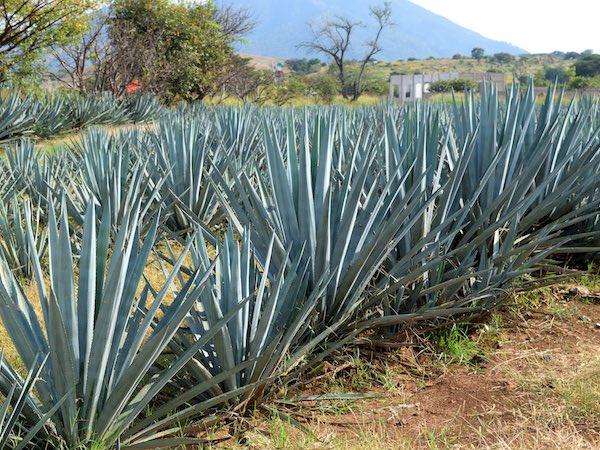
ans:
(235, 22)
(239, 79)
(334, 38)
(108, 58)
(236, 77)
(78, 60)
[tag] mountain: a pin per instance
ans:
(418, 33)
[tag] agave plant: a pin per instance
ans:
(15, 245)
(14, 433)
(264, 335)
(513, 179)
(52, 116)
(96, 110)
(111, 172)
(15, 117)
(338, 223)
(39, 176)
(101, 347)
(143, 108)
(183, 146)
(239, 131)
(9, 185)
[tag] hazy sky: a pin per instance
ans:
(538, 26)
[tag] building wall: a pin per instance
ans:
(414, 87)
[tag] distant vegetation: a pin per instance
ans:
(161, 283)
(456, 85)
(185, 51)
(303, 65)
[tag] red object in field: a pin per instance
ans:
(133, 87)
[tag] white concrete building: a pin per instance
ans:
(407, 88)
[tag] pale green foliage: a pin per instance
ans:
(101, 348)
(338, 221)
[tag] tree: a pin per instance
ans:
(583, 83)
(588, 66)
(588, 52)
(239, 79)
(326, 86)
(303, 65)
(334, 37)
(454, 85)
(235, 76)
(503, 57)
(234, 22)
(28, 27)
(572, 55)
(560, 74)
(77, 60)
(182, 47)
(477, 53)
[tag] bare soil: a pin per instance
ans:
(535, 383)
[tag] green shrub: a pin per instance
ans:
(578, 82)
(455, 85)
(326, 86)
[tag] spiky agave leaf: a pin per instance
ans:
(348, 228)
(15, 117)
(264, 332)
(111, 172)
(37, 175)
(52, 116)
(88, 110)
(15, 432)
(14, 244)
(142, 108)
(101, 347)
(182, 148)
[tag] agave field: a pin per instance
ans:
(281, 235)
(56, 114)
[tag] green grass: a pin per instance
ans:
(454, 345)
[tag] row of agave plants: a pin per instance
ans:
(57, 113)
(283, 236)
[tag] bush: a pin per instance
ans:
(560, 74)
(326, 87)
(584, 83)
(377, 88)
(588, 66)
(572, 55)
(457, 84)
(503, 57)
(303, 65)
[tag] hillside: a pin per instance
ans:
(418, 33)
(522, 66)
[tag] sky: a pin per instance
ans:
(538, 26)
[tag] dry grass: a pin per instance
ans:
(538, 387)
(73, 137)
